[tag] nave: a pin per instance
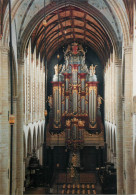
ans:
(67, 97)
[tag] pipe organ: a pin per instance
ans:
(75, 103)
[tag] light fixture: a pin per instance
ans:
(65, 18)
(11, 119)
(58, 56)
(57, 165)
(45, 113)
(44, 22)
(58, 111)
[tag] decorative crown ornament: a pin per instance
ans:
(81, 123)
(74, 120)
(68, 123)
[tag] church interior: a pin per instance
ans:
(67, 97)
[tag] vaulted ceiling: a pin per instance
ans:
(67, 24)
(3, 5)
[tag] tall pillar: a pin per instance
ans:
(119, 127)
(108, 154)
(41, 154)
(14, 159)
(20, 128)
(4, 123)
(128, 121)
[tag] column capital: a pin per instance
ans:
(20, 61)
(1, 36)
(4, 49)
(128, 49)
(123, 99)
(15, 98)
(118, 62)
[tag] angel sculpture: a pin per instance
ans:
(68, 122)
(57, 69)
(50, 101)
(99, 98)
(92, 69)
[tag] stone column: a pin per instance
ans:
(128, 121)
(4, 123)
(41, 154)
(135, 180)
(119, 127)
(123, 116)
(20, 127)
(14, 146)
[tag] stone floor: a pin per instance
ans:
(57, 189)
(36, 191)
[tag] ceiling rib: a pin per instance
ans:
(79, 26)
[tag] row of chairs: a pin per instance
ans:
(78, 189)
(83, 191)
(83, 186)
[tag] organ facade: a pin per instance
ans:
(75, 103)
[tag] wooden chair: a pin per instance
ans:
(68, 186)
(73, 191)
(88, 191)
(88, 186)
(63, 192)
(93, 186)
(78, 186)
(74, 186)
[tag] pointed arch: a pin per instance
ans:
(24, 141)
(34, 139)
(38, 138)
(42, 134)
(29, 144)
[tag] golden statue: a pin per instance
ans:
(81, 123)
(72, 172)
(92, 68)
(74, 120)
(99, 100)
(74, 160)
(50, 101)
(68, 122)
